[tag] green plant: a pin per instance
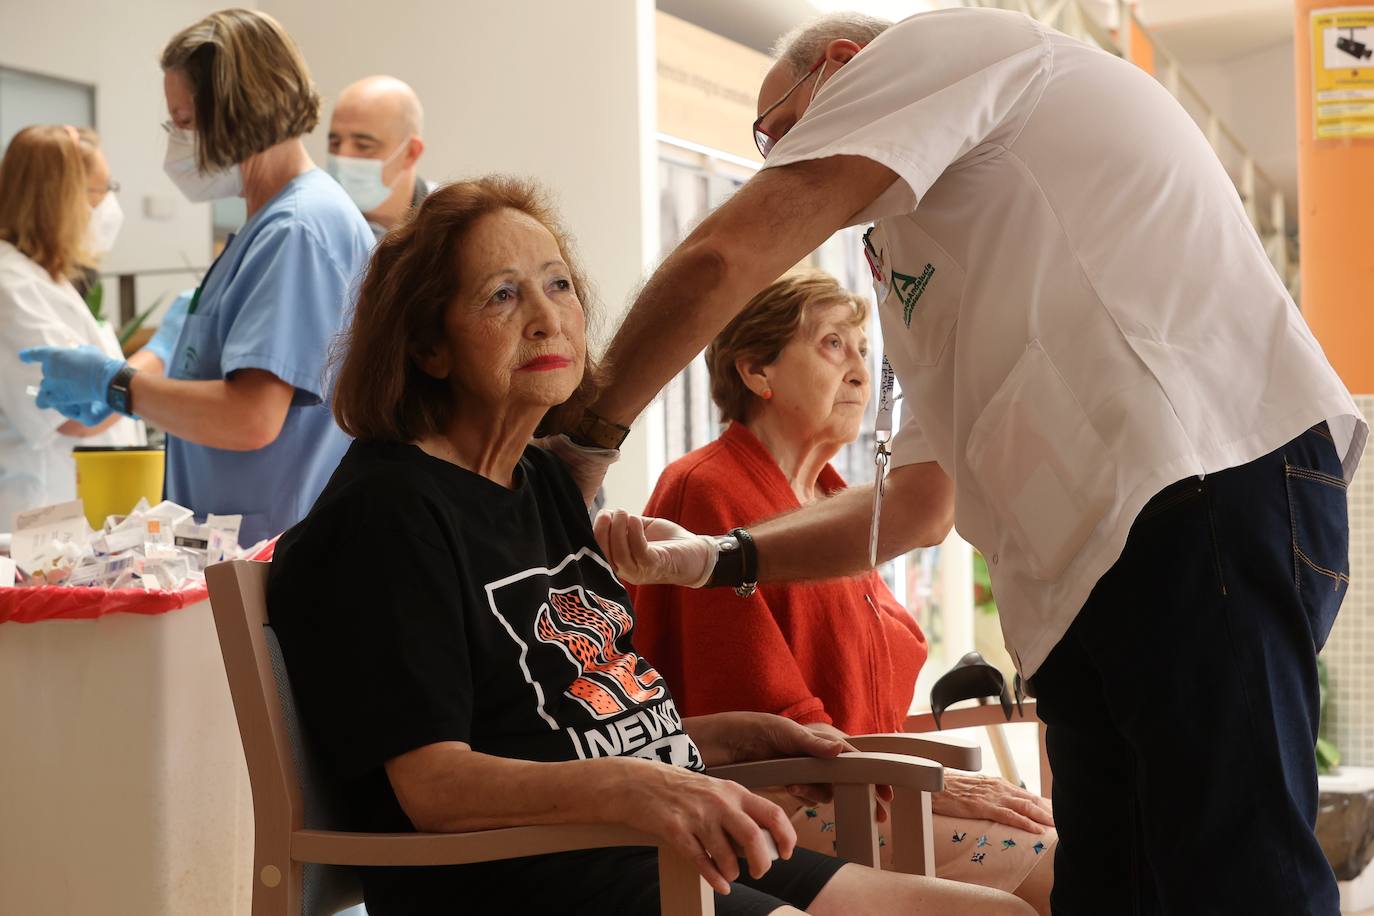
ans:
(136, 322)
(982, 585)
(1328, 755)
(95, 301)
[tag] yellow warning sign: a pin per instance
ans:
(1343, 72)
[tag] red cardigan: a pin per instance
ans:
(841, 651)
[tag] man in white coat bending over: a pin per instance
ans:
(1107, 390)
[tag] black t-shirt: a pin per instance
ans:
(419, 602)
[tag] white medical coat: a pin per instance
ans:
(36, 467)
(1072, 298)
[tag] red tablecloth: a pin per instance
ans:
(30, 604)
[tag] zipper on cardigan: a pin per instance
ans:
(874, 607)
(876, 642)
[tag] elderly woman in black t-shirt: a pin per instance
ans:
(462, 652)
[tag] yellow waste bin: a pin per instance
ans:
(111, 479)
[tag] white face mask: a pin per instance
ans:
(106, 218)
(180, 166)
(361, 179)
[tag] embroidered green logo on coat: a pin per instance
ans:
(909, 289)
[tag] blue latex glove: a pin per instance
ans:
(75, 379)
(169, 331)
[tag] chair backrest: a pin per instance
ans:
(288, 792)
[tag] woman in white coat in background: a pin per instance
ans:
(45, 240)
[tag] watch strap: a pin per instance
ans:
(598, 432)
(118, 394)
(750, 552)
(736, 563)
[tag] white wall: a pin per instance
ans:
(562, 92)
(115, 47)
(1255, 95)
(529, 87)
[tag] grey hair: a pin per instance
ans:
(801, 47)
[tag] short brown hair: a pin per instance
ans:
(43, 208)
(768, 323)
(381, 393)
(251, 87)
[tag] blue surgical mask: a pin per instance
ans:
(361, 178)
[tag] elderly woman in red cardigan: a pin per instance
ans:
(790, 375)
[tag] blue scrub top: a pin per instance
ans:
(274, 301)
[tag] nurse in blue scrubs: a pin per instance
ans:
(235, 375)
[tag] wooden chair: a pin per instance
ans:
(299, 856)
(976, 716)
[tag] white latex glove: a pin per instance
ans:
(587, 465)
(654, 551)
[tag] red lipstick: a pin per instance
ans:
(546, 363)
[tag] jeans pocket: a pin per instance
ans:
(1317, 512)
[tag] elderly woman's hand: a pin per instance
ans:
(992, 799)
(739, 737)
(654, 551)
(713, 822)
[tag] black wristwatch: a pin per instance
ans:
(737, 563)
(118, 395)
(593, 431)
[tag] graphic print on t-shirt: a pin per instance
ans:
(609, 683)
(585, 677)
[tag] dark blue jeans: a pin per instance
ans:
(1182, 703)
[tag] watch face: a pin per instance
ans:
(117, 395)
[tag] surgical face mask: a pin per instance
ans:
(103, 229)
(361, 179)
(180, 166)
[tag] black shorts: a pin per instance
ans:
(591, 882)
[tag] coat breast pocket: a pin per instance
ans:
(198, 350)
(920, 296)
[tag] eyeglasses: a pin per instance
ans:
(762, 138)
(98, 194)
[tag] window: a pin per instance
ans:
(693, 181)
(30, 98)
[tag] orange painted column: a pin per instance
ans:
(1142, 49)
(1335, 85)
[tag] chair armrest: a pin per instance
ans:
(846, 769)
(971, 717)
(337, 848)
(947, 750)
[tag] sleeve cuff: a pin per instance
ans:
(309, 385)
(901, 196)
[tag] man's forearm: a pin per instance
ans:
(829, 538)
(682, 307)
(778, 218)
